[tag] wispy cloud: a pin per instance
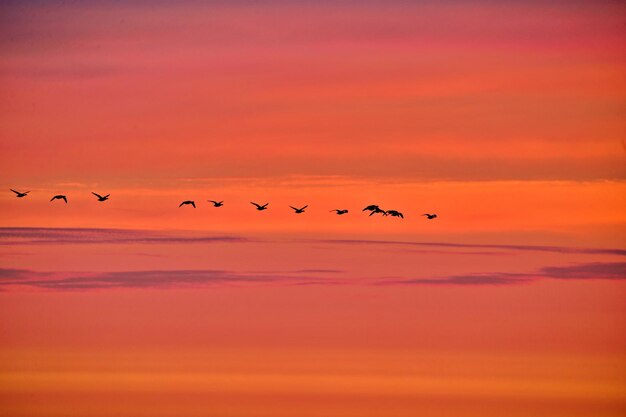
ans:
(533, 248)
(207, 277)
(587, 271)
(48, 236)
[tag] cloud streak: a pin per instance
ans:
(51, 236)
(532, 248)
(11, 278)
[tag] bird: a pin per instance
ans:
(429, 216)
(395, 213)
(340, 212)
(101, 198)
(18, 194)
(216, 203)
(371, 207)
(188, 202)
(59, 197)
(299, 210)
(260, 207)
(378, 210)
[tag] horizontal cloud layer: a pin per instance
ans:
(201, 278)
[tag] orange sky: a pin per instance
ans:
(505, 118)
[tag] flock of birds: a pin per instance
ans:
(372, 208)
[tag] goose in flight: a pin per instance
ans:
(371, 207)
(378, 210)
(216, 203)
(260, 207)
(193, 203)
(100, 197)
(429, 216)
(340, 212)
(395, 213)
(299, 210)
(18, 194)
(59, 197)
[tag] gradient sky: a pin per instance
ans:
(505, 118)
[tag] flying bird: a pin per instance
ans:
(101, 198)
(59, 197)
(340, 212)
(371, 207)
(260, 207)
(378, 210)
(429, 216)
(395, 213)
(188, 202)
(216, 203)
(299, 210)
(18, 194)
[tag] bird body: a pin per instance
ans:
(378, 210)
(100, 197)
(299, 210)
(19, 194)
(59, 197)
(260, 207)
(429, 216)
(216, 203)
(340, 212)
(193, 203)
(395, 213)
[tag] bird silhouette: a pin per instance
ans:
(429, 216)
(216, 203)
(188, 202)
(18, 194)
(260, 207)
(371, 207)
(340, 212)
(299, 210)
(395, 213)
(59, 197)
(101, 198)
(378, 210)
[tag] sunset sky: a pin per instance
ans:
(506, 118)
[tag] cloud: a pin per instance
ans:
(588, 271)
(596, 270)
(534, 248)
(49, 236)
(207, 277)
(138, 279)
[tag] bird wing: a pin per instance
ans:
(193, 204)
(64, 199)
(53, 198)
(212, 201)
(294, 208)
(401, 215)
(304, 207)
(107, 196)
(255, 204)
(96, 194)
(264, 205)
(16, 192)
(181, 204)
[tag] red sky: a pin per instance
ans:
(504, 118)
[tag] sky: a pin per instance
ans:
(504, 118)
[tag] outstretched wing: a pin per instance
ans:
(107, 196)
(294, 208)
(212, 201)
(304, 207)
(96, 194)
(265, 205)
(193, 204)
(400, 214)
(181, 204)
(64, 199)
(53, 198)
(16, 192)
(258, 206)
